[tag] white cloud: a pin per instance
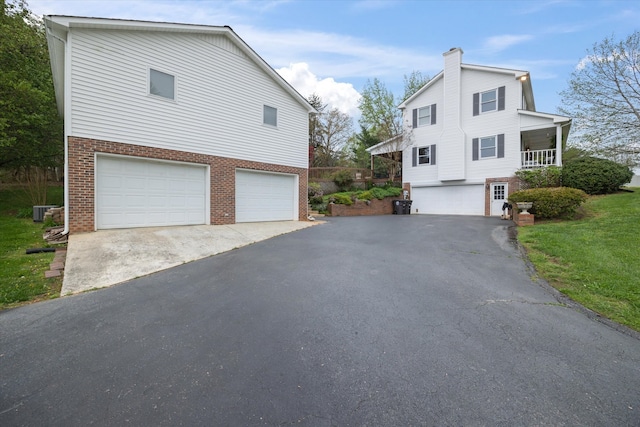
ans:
(342, 96)
(500, 43)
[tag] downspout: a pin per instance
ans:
(65, 231)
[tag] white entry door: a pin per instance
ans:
(499, 193)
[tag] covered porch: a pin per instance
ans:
(539, 137)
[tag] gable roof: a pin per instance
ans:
(522, 76)
(57, 27)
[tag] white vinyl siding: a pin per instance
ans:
(219, 110)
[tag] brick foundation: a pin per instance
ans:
(522, 220)
(361, 208)
(81, 179)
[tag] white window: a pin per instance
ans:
(424, 156)
(489, 101)
(424, 116)
(162, 84)
(488, 147)
(270, 116)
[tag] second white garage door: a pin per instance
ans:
(449, 200)
(262, 196)
(131, 192)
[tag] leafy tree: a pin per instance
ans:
(31, 138)
(604, 99)
(379, 111)
(413, 83)
(358, 145)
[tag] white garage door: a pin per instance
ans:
(144, 193)
(265, 197)
(449, 200)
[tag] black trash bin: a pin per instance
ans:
(406, 207)
(397, 207)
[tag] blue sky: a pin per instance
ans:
(333, 47)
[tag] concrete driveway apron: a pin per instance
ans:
(389, 320)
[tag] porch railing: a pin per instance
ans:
(537, 158)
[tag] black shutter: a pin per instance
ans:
(501, 145)
(476, 104)
(501, 90)
(414, 153)
(415, 118)
(475, 149)
(433, 114)
(432, 150)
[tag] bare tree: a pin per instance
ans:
(604, 99)
(335, 129)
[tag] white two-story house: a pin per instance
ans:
(174, 124)
(467, 132)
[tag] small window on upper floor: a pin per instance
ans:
(424, 116)
(270, 116)
(489, 101)
(162, 84)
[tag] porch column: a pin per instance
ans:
(559, 145)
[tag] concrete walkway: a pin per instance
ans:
(107, 257)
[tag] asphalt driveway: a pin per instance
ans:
(389, 320)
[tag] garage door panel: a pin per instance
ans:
(265, 197)
(145, 193)
(449, 200)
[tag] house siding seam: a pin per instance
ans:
(81, 179)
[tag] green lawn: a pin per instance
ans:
(22, 276)
(594, 260)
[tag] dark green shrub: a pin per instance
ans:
(343, 179)
(595, 176)
(541, 177)
(558, 202)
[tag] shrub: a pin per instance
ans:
(314, 190)
(341, 199)
(558, 202)
(342, 178)
(541, 177)
(595, 176)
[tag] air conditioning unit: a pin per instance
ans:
(39, 211)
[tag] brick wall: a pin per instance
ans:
(514, 185)
(81, 179)
(361, 208)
